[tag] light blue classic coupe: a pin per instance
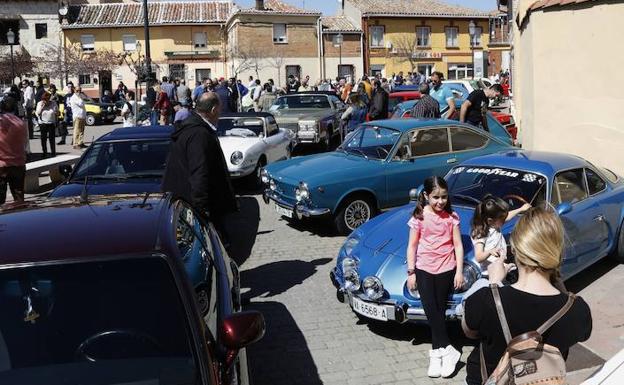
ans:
(371, 268)
(374, 168)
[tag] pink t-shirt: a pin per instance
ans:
(436, 252)
(13, 138)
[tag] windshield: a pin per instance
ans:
(371, 142)
(243, 127)
(124, 159)
(301, 101)
(120, 322)
(468, 185)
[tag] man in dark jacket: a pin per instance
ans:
(225, 97)
(379, 108)
(196, 169)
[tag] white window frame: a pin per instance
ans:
(452, 33)
(85, 75)
(280, 33)
(129, 43)
(87, 42)
(200, 40)
(420, 37)
(379, 41)
(476, 39)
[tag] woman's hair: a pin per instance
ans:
(355, 100)
(430, 184)
(537, 241)
(491, 207)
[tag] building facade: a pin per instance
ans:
(341, 49)
(564, 101)
(274, 40)
(187, 40)
(423, 35)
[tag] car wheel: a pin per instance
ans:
(202, 300)
(90, 120)
(327, 140)
(618, 254)
(255, 179)
(354, 212)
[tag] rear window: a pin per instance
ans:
(609, 174)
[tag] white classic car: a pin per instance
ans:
(250, 141)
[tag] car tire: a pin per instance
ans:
(255, 179)
(354, 211)
(618, 254)
(91, 120)
(327, 140)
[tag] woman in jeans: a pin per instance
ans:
(537, 243)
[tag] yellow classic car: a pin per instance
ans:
(97, 112)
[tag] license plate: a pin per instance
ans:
(282, 211)
(369, 310)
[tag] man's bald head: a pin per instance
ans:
(207, 105)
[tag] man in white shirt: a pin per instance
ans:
(28, 104)
(79, 115)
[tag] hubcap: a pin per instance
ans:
(356, 214)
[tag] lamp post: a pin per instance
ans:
(11, 40)
(338, 40)
(137, 83)
(472, 31)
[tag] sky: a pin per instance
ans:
(330, 7)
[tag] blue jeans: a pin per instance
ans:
(154, 117)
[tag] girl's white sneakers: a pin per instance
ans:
(435, 363)
(450, 357)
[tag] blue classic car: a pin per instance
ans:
(374, 168)
(370, 273)
(124, 161)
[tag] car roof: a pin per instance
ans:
(547, 163)
(67, 229)
(246, 115)
(312, 93)
(139, 132)
(410, 123)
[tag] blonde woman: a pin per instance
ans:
(537, 243)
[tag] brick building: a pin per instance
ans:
(341, 49)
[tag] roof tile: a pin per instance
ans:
(427, 8)
(278, 7)
(338, 24)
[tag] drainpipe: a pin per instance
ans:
(319, 25)
(365, 58)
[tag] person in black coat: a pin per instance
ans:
(379, 107)
(225, 98)
(196, 169)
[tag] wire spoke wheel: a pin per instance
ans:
(356, 214)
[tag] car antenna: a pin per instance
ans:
(147, 194)
(84, 197)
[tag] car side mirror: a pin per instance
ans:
(65, 170)
(239, 330)
(415, 193)
(564, 208)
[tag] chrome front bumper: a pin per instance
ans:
(307, 137)
(299, 209)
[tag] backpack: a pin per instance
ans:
(527, 359)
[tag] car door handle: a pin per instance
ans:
(452, 160)
(599, 218)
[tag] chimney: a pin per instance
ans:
(260, 5)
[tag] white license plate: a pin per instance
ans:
(369, 310)
(282, 211)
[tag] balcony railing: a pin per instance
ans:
(210, 54)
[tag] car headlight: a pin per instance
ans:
(349, 264)
(351, 280)
(236, 158)
(372, 287)
(302, 192)
(272, 185)
(307, 125)
(264, 176)
(110, 109)
(471, 274)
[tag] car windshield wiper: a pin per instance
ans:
(359, 152)
(118, 177)
(466, 198)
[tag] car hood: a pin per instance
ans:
(229, 144)
(137, 186)
(317, 166)
(294, 115)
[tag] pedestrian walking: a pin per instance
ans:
(28, 102)
(379, 107)
(150, 100)
(255, 95)
(128, 111)
(183, 93)
(47, 114)
(163, 105)
(355, 114)
(443, 94)
(13, 141)
(474, 109)
(225, 98)
(426, 106)
(169, 88)
(196, 170)
(435, 259)
(537, 241)
(79, 116)
(267, 98)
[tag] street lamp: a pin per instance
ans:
(137, 83)
(472, 30)
(338, 40)
(11, 40)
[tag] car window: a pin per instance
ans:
(465, 139)
(569, 187)
(121, 321)
(595, 183)
(301, 101)
(372, 142)
(609, 174)
(337, 102)
(240, 126)
(272, 129)
(428, 141)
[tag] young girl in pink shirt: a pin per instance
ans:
(435, 259)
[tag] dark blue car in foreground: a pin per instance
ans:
(124, 161)
(370, 273)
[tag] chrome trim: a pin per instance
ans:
(299, 209)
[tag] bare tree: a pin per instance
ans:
(406, 50)
(276, 59)
(60, 62)
(248, 58)
(22, 63)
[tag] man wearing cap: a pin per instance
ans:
(442, 94)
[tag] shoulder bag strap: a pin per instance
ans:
(542, 329)
(484, 375)
(501, 313)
